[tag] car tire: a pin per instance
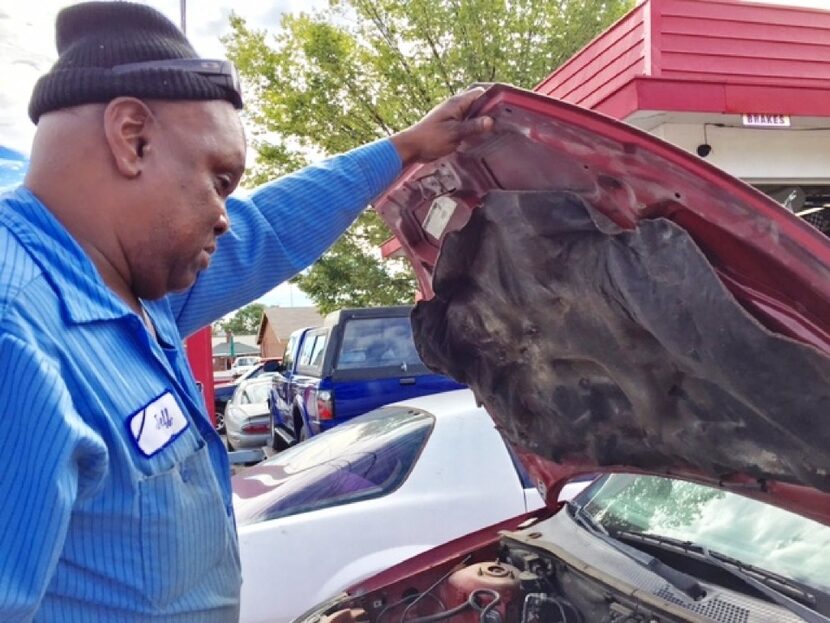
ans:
(279, 444)
(300, 432)
(220, 422)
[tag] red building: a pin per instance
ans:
(702, 56)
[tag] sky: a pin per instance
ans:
(27, 44)
(27, 50)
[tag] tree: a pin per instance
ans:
(363, 69)
(245, 321)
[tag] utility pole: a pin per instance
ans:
(183, 13)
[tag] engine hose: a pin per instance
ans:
(440, 616)
(482, 616)
(470, 603)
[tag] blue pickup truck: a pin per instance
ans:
(358, 360)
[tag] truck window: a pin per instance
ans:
(377, 343)
(318, 351)
(288, 355)
(305, 352)
(313, 352)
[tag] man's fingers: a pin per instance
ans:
(471, 95)
(439, 133)
(471, 127)
(466, 99)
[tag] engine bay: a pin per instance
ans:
(498, 592)
(555, 571)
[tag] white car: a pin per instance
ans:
(368, 494)
(242, 364)
(248, 416)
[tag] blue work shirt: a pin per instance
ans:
(114, 508)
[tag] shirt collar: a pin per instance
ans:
(80, 288)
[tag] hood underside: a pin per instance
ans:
(616, 302)
(621, 347)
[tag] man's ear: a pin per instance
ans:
(127, 127)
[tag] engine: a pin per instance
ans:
(515, 588)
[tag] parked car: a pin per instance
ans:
(371, 492)
(359, 360)
(242, 364)
(622, 307)
(222, 392)
(247, 415)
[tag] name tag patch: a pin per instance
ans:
(157, 424)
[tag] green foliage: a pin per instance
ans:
(359, 70)
(369, 282)
(245, 321)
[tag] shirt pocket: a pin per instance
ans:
(185, 529)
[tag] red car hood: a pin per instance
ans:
(619, 304)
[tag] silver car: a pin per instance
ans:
(247, 417)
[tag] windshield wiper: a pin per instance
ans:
(778, 589)
(683, 582)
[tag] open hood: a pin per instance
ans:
(619, 304)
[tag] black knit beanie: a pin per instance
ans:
(94, 37)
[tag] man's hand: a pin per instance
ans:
(441, 131)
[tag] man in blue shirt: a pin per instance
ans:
(115, 487)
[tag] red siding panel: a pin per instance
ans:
(723, 42)
(620, 48)
(607, 81)
(786, 101)
(726, 41)
(767, 81)
(622, 103)
(742, 31)
(731, 46)
(689, 96)
(622, 53)
(747, 12)
(749, 66)
(677, 95)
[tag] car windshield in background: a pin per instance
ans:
(256, 393)
(745, 529)
(245, 362)
(364, 458)
(377, 343)
(250, 374)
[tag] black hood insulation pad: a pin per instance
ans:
(591, 343)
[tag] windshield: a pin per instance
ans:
(252, 373)
(377, 343)
(366, 457)
(750, 531)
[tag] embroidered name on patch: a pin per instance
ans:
(157, 424)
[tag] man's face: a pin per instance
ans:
(194, 158)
